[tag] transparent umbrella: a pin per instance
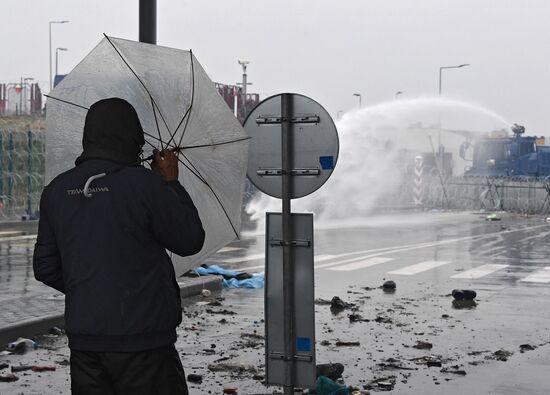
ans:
(179, 108)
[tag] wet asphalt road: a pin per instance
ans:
(427, 254)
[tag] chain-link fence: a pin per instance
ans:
(22, 167)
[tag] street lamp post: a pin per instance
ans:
(449, 67)
(52, 22)
(57, 58)
(25, 83)
(440, 147)
(359, 96)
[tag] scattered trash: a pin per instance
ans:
(230, 390)
(454, 370)
(464, 304)
(383, 320)
(63, 362)
(56, 331)
(326, 386)
(194, 378)
(8, 378)
(346, 344)
(381, 384)
(392, 363)
(429, 361)
(224, 311)
(20, 346)
(526, 347)
(354, 317)
(492, 217)
(206, 293)
(232, 279)
(37, 368)
(389, 285)
(331, 370)
(3, 366)
(464, 294)
(422, 345)
(231, 367)
(500, 355)
(21, 368)
(337, 305)
(325, 343)
(322, 302)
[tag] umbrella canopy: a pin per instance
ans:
(178, 107)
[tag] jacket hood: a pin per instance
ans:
(112, 131)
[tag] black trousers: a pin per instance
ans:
(151, 372)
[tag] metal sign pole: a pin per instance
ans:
(288, 286)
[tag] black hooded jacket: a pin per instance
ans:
(107, 253)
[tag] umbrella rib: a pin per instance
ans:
(157, 123)
(196, 174)
(67, 102)
(215, 195)
(140, 81)
(188, 113)
(216, 144)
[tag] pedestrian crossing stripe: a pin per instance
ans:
(419, 268)
(361, 264)
(540, 276)
(480, 271)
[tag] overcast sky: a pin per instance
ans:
(324, 49)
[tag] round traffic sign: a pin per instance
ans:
(314, 146)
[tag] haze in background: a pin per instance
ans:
(319, 48)
(377, 149)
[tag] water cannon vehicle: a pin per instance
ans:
(502, 155)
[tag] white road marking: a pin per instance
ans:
(15, 238)
(418, 268)
(540, 276)
(361, 264)
(480, 271)
(318, 258)
(227, 249)
(242, 258)
(409, 247)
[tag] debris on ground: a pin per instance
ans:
(389, 285)
(454, 370)
(381, 383)
(464, 294)
(232, 368)
(21, 368)
(224, 311)
(21, 345)
(326, 386)
(56, 331)
(8, 378)
(230, 390)
(3, 366)
(500, 355)
(354, 317)
(340, 343)
(526, 347)
(337, 305)
(231, 278)
(383, 319)
(331, 370)
(37, 368)
(194, 378)
(422, 345)
(392, 363)
(429, 361)
(492, 217)
(464, 304)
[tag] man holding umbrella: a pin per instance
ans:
(104, 229)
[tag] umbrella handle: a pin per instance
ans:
(87, 185)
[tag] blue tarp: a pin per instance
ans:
(230, 280)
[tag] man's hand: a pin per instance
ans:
(166, 164)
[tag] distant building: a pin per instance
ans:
(20, 99)
(233, 96)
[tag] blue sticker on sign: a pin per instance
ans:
(327, 162)
(303, 344)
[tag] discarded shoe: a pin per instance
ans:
(464, 294)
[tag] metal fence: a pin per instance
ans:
(22, 169)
